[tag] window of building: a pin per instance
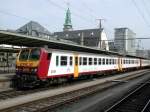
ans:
(63, 61)
(95, 61)
(57, 60)
(90, 61)
(84, 61)
(71, 60)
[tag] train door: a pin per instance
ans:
(76, 69)
(119, 64)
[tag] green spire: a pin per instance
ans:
(68, 24)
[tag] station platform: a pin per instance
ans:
(54, 92)
(5, 81)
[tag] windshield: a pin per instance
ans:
(26, 54)
(34, 54)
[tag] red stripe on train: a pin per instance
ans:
(43, 64)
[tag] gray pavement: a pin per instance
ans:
(49, 93)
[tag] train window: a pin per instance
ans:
(63, 61)
(99, 61)
(113, 61)
(110, 62)
(84, 61)
(80, 60)
(124, 61)
(57, 60)
(90, 61)
(35, 54)
(106, 61)
(24, 55)
(103, 61)
(49, 56)
(71, 60)
(95, 61)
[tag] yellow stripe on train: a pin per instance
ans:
(27, 63)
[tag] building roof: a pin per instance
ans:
(32, 26)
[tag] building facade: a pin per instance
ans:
(125, 41)
(86, 37)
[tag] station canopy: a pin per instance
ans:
(16, 39)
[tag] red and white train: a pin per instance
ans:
(39, 65)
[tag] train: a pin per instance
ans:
(36, 66)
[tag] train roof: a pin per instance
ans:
(91, 50)
(98, 51)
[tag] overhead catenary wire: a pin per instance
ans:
(20, 17)
(81, 17)
(141, 13)
(11, 14)
(146, 8)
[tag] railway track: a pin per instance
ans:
(46, 104)
(4, 95)
(137, 101)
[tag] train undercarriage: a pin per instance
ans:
(21, 81)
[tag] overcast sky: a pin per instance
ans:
(133, 14)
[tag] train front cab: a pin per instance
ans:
(31, 67)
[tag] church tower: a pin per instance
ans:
(68, 24)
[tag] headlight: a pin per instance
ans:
(17, 69)
(34, 70)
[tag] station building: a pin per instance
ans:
(87, 37)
